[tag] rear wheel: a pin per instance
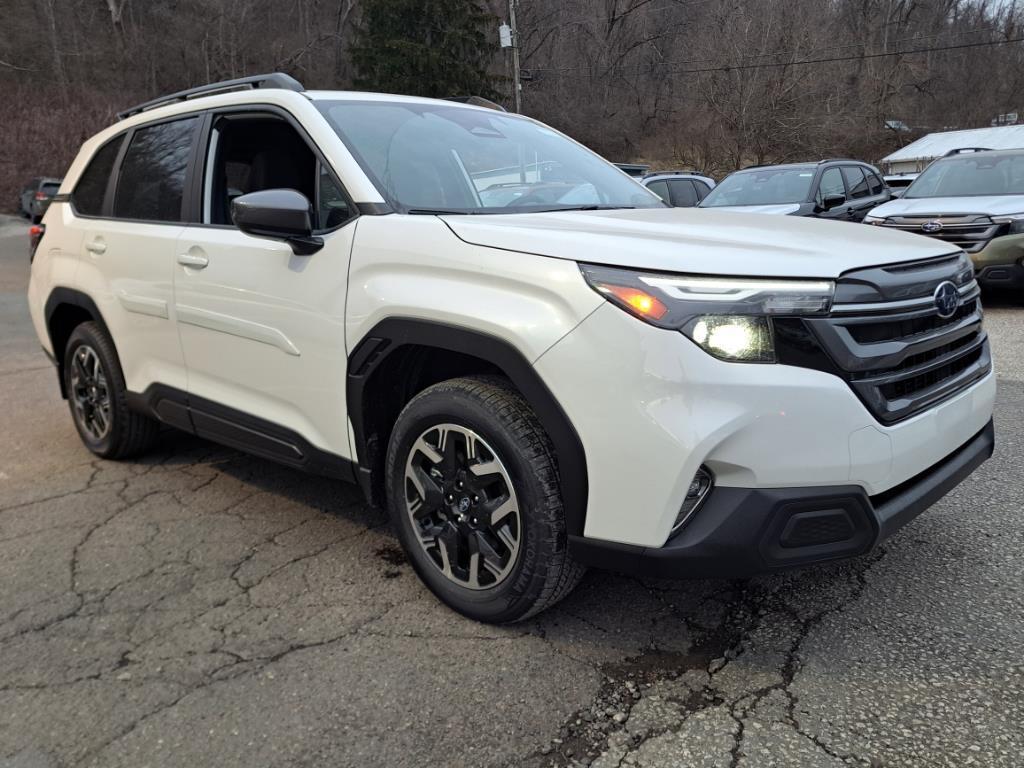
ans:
(98, 397)
(473, 493)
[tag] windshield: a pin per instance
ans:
(765, 186)
(437, 158)
(982, 173)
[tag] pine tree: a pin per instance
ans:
(432, 48)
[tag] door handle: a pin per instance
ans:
(194, 258)
(96, 246)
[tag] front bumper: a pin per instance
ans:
(1000, 264)
(741, 532)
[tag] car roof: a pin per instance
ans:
(984, 154)
(657, 175)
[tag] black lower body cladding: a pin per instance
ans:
(742, 532)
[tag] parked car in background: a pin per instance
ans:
(679, 189)
(829, 189)
(975, 201)
(636, 170)
(36, 195)
(898, 182)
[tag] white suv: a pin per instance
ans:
(533, 362)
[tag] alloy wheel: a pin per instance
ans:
(90, 393)
(462, 506)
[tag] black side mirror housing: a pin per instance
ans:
(832, 201)
(278, 214)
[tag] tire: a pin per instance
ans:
(511, 514)
(95, 383)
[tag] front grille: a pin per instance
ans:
(898, 356)
(970, 232)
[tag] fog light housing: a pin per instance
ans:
(698, 491)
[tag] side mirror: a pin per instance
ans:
(897, 192)
(832, 201)
(278, 214)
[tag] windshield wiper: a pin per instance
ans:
(586, 208)
(437, 212)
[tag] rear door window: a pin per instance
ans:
(875, 183)
(683, 194)
(91, 188)
(152, 180)
(855, 182)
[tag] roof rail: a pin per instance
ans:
(838, 160)
(272, 80)
(476, 101)
(965, 150)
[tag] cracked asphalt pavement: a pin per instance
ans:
(201, 607)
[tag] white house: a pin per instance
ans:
(914, 157)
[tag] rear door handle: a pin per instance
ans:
(194, 258)
(96, 246)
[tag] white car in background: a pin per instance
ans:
(530, 386)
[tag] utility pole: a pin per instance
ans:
(516, 85)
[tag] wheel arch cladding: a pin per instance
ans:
(65, 310)
(426, 352)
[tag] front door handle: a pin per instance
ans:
(96, 246)
(194, 257)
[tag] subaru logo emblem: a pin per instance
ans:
(947, 299)
(931, 227)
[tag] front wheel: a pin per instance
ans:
(473, 493)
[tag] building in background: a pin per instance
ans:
(916, 156)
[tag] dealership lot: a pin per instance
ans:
(203, 606)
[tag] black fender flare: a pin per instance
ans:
(393, 333)
(58, 297)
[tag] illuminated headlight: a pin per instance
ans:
(1016, 222)
(744, 339)
(729, 318)
(869, 219)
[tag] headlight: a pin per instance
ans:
(729, 318)
(869, 219)
(1015, 220)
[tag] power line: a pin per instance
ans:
(837, 46)
(826, 60)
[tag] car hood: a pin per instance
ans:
(698, 241)
(993, 205)
(779, 209)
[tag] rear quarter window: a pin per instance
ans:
(91, 188)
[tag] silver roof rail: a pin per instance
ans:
(272, 80)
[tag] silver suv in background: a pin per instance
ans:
(679, 189)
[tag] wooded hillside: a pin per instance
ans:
(706, 84)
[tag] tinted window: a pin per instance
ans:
(702, 189)
(152, 180)
(683, 195)
(855, 181)
(660, 188)
(875, 183)
(333, 207)
(92, 187)
(831, 184)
